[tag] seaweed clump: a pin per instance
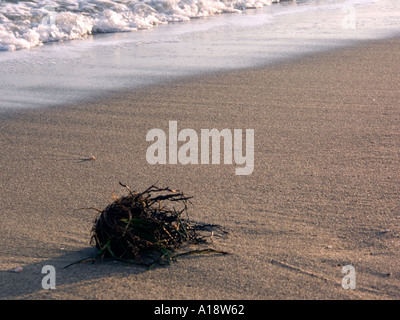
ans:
(147, 227)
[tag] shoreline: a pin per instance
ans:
(73, 71)
(9, 112)
(323, 194)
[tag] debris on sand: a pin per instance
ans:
(148, 227)
(18, 269)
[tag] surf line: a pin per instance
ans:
(188, 153)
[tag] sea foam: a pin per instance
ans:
(27, 24)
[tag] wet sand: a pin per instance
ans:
(324, 192)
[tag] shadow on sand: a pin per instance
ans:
(27, 284)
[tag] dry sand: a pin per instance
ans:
(324, 192)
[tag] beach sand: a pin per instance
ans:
(324, 192)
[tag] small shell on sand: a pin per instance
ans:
(92, 158)
(18, 269)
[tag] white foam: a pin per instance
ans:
(26, 24)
